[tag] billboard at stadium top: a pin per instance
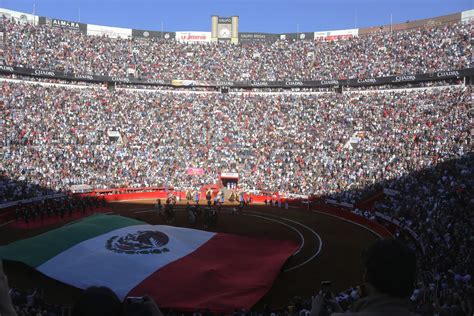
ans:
(248, 37)
(336, 35)
(244, 37)
(193, 37)
(153, 34)
(70, 25)
(18, 16)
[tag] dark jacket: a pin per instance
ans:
(381, 304)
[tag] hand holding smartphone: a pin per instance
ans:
(142, 304)
(135, 300)
(326, 287)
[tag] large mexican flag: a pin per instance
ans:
(180, 268)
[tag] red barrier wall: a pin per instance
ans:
(137, 196)
(162, 194)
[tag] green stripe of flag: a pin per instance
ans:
(39, 249)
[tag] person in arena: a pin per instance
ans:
(189, 196)
(191, 211)
(389, 276)
(196, 197)
(241, 201)
(158, 207)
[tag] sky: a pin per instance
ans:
(272, 16)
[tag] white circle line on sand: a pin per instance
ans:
(315, 254)
(313, 232)
(277, 221)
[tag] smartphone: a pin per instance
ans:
(326, 289)
(135, 300)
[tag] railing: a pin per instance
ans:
(357, 82)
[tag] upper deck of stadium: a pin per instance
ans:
(51, 47)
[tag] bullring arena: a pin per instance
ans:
(228, 172)
(330, 242)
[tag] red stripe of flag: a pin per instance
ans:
(226, 273)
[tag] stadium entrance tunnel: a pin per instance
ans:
(229, 180)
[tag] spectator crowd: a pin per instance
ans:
(437, 204)
(313, 144)
(32, 303)
(421, 50)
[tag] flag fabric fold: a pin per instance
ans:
(181, 268)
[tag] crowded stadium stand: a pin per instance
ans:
(377, 122)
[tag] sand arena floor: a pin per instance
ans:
(329, 247)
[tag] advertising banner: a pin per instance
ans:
(193, 37)
(233, 175)
(224, 20)
(305, 36)
(195, 171)
(75, 26)
(19, 16)
(288, 83)
(247, 37)
(112, 32)
(182, 83)
(153, 34)
(79, 77)
(297, 36)
(336, 35)
(439, 75)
